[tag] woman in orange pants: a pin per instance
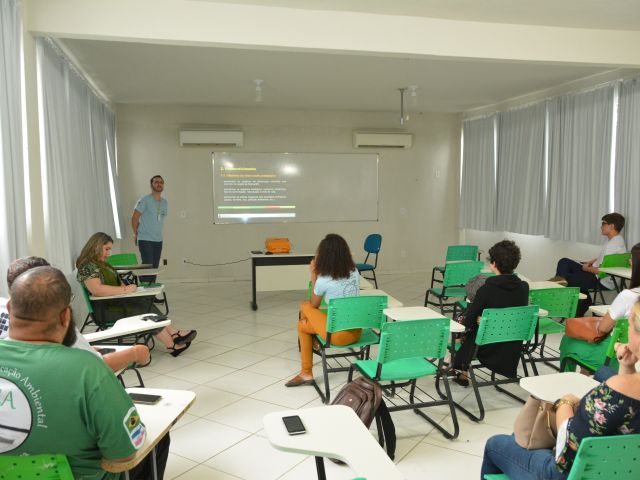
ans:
(333, 275)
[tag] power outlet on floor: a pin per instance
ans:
(164, 261)
(184, 260)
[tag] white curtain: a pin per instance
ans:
(627, 174)
(76, 129)
(478, 192)
(579, 164)
(521, 202)
(13, 215)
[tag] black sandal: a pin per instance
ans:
(177, 351)
(188, 338)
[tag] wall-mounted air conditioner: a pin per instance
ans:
(227, 138)
(382, 140)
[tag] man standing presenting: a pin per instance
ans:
(147, 222)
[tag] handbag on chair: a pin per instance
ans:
(585, 328)
(535, 425)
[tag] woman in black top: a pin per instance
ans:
(503, 290)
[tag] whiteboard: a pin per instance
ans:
(294, 187)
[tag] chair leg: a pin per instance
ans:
(426, 298)
(325, 374)
(433, 276)
(166, 303)
(476, 392)
(375, 280)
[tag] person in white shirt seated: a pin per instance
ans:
(585, 275)
(333, 275)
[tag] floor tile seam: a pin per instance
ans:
(397, 460)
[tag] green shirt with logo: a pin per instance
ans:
(60, 400)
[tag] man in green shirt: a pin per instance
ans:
(55, 399)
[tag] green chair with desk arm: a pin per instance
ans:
(130, 258)
(497, 325)
(455, 278)
(611, 260)
(592, 356)
(560, 303)
(349, 313)
(408, 351)
(455, 253)
(35, 467)
(614, 457)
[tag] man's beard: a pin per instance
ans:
(71, 336)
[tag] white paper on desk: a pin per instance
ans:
(141, 289)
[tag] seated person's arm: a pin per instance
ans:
(99, 289)
(315, 299)
(474, 311)
(137, 354)
(606, 324)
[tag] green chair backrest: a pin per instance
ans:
(41, 467)
(413, 339)
(356, 312)
(458, 274)
(87, 300)
(462, 252)
(615, 260)
(122, 259)
(619, 334)
(559, 302)
(607, 457)
(507, 324)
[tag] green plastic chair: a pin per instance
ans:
(28, 467)
(560, 303)
(349, 313)
(592, 356)
(402, 359)
(611, 260)
(499, 325)
(601, 457)
(122, 259)
(130, 258)
(455, 253)
(456, 276)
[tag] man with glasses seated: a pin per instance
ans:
(585, 275)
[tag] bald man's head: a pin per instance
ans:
(21, 265)
(39, 294)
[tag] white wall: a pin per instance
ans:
(539, 255)
(412, 241)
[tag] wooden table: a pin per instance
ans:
(551, 387)
(158, 420)
(333, 431)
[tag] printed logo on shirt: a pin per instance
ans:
(134, 428)
(350, 289)
(15, 414)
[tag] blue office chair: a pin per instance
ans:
(372, 246)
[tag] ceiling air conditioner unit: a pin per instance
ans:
(228, 138)
(382, 140)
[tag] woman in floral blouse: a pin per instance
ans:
(102, 280)
(611, 408)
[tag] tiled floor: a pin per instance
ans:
(238, 366)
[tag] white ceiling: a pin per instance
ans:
(606, 14)
(142, 73)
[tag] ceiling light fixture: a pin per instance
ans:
(413, 94)
(402, 114)
(258, 83)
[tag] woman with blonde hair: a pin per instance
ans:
(102, 280)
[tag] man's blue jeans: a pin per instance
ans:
(503, 455)
(150, 252)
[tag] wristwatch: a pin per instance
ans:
(563, 401)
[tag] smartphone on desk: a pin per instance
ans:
(294, 425)
(144, 398)
(155, 318)
(104, 351)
